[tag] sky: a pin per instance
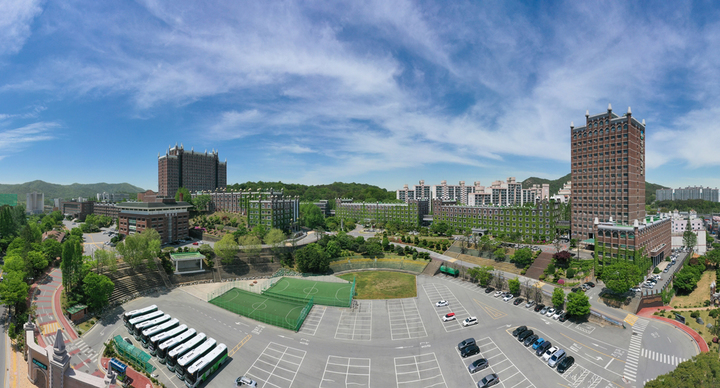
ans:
(380, 92)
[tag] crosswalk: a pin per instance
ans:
(50, 328)
(85, 350)
(666, 358)
(634, 351)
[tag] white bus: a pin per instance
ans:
(203, 368)
(175, 354)
(165, 347)
(136, 313)
(132, 323)
(144, 325)
(157, 329)
(163, 336)
(184, 362)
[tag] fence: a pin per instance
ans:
(284, 304)
(416, 266)
(133, 354)
(258, 288)
(331, 297)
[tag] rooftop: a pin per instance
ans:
(152, 205)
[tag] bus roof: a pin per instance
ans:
(179, 338)
(196, 352)
(210, 357)
(145, 310)
(146, 317)
(169, 334)
(158, 328)
(151, 323)
(189, 344)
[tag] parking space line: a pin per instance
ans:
(341, 366)
(404, 326)
(494, 366)
(284, 351)
(312, 321)
(442, 292)
(415, 361)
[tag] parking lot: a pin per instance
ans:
(405, 321)
(346, 371)
(419, 371)
(277, 366)
(356, 325)
(498, 363)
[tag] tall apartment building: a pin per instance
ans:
(447, 192)
(35, 203)
(508, 193)
(419, 191)
(196, 171)
(409, 214)
(694, 192)
(608, 171)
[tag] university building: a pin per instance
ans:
(168, 217)
(195, 171)
(409, 214)
(269, 208)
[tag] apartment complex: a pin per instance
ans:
(168, 217)
(195, 171)
(694, 192)
(34, 203)
(269, 208)
(498, 193)
(409, 214)
(419, 191)
(608, 172)
(534, 222)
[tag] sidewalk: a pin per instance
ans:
(138, 379)
(648, 313)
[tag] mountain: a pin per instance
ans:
(357, 191)
(557, 184)
(52, 190)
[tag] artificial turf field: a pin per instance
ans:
(324, 293)
(269, 309)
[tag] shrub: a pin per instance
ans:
(570, 273)
(523, 272)
(542, 277)
(561, 281)
(656, 270)
(695, 314)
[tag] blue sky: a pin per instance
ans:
(380, 92)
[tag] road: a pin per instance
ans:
(4, 345)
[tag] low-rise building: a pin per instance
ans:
(76, 209)
(409, 214)
(222, 200)
(168, 217)
(106, 209)
(147, 196)
(270, 208)
(645, 243)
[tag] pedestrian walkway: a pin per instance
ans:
(539, 265)
(634, 351)
(660, 357)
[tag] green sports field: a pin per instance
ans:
(274, 310)
(324, 293)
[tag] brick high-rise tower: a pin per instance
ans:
(193, 170)
(608, 171)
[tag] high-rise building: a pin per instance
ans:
(35, 203)
(608, 171)
(192, 170)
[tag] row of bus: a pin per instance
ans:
(193, 357)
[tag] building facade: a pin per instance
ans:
(409, 215)
(499, 193)
(645, 243)
(77, 209)
(35, 203)
(694, 192)
(270, 208)
(192, 170)
(608, 172)
(169, 218)
(419, 191)
(112, 197)
(222, 200)
(530, 222)
(106, 209)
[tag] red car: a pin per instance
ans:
(195, 243)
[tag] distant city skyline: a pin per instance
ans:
(384, 93)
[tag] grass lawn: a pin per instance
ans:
(701, 329)
(382, 284)
(85, 326)
(698, 296)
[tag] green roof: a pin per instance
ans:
(187, 256)
(589, 241)
(76, 308)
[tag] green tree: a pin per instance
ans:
(499, 254)
(15, 263)
(250, 244)
(689, 237)
(333, 249)
(482, 274)
(207, 251)
(104, 260)
(13, 290)
(311, 216)
(440, 228)
(35, 262)
(701, 371)
(140, 249)
(385, 244)
(685, 281)
(98, 289)
(275, 238)
(621, 276)
(52, 249)
(578, 304)
(186, 195)
(71, 263)
(259, 231)
(558, 298)
(523, 257)
(201, 202)
(312, 259)
(227, 248)
(514, 286)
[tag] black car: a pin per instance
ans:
(565, 364)
(489, 290)
(522, 336)
(542, 348)
(466, 343)
(539, 307)
(518, 301)
(575, 289)
(530, 340)
(478, 365)
(591, 284)
(519, 330)
(470, 351)
(563, 317)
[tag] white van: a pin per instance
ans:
(556, 358)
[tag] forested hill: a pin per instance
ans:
(557, 184)
(52, 190)
(357, 191)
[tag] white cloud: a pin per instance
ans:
(15, 19)
(293, 149)
(17, 139)
(236, 125)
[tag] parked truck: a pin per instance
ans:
(449, 270)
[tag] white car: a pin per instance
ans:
(550, 312)
(548, 353)
(507, 297)
(441, 303)
(244, 381)
(498, 293)
(557, 314)
(448, 317)
(470, 321)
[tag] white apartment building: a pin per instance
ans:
(34, 203)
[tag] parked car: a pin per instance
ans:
(522, 336)
(489, 290)
(556, 358)
(517, 301)
(529, 304)
(544, 310)
(466, 343)
(469, 351)
(469, 321)
(478, 365)
(635, 289)
(530, 340)
(563, 317)
(519, 330)
(550, 312)
(575, 289)
(507, 297)
(448, 317)
(557, 314)
(538, 342)
(498, 293)
(542, 348)
(591, 284)
(442, 303)
(666, 269)
(488, 381)
(539, 307)
(565, 364)
(195, 243)
(245, 381)
(549, 352)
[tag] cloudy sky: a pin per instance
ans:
(381, 92)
